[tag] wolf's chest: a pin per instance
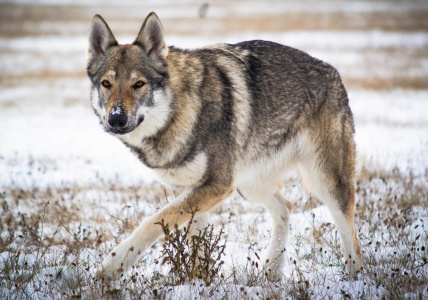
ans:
(187, 175)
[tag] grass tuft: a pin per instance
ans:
(192, 257)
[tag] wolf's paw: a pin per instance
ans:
(353, 266)
(273, 275)
(272, 270)
(117, 263)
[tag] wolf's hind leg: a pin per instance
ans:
(338, 193)
(350, 245)
(279, 208)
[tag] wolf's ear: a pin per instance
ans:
(100, 38)
(151, 39)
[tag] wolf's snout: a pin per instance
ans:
(117, 119)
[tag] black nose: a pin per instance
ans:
(117, 119)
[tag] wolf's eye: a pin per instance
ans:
(138, 84)
(106, 83)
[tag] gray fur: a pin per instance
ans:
(229, 111)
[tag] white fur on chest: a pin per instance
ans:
(187, 175)
(267, 169)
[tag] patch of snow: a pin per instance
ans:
(392, 128)
(420, 229)
(338, 40)
(116, 111)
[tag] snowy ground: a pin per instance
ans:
(61, 176)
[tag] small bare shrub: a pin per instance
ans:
(198, 259)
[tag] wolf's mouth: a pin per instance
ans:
(126, 129)
(140, 120)
(119, 131)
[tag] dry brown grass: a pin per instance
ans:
(55, 245)
(52, 239)
(27, 20)
(22, 20)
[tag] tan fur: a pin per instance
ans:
(223, 118)
(241, 105)
(178, 212)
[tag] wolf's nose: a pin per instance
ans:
(117, 119)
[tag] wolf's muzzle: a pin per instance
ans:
(117, 120)
(119, 123)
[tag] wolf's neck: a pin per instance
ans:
(173, 140)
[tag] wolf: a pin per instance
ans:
(225, 118)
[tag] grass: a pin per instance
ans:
(52, 239)
(12, 17)
(192, 257)
(50, 244)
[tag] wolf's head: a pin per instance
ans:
(128, 81)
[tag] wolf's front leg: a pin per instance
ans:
(126, 254)
(177, 213)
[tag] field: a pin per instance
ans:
(69, 192)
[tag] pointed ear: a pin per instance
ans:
(152, 41)
(100, 38)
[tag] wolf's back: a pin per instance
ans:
(286, 88)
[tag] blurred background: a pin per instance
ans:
(374, 44)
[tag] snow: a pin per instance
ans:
(338, 40)
(392, 128)
(223, 8)
(50, 136)
(68, 145)
(116, 111)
